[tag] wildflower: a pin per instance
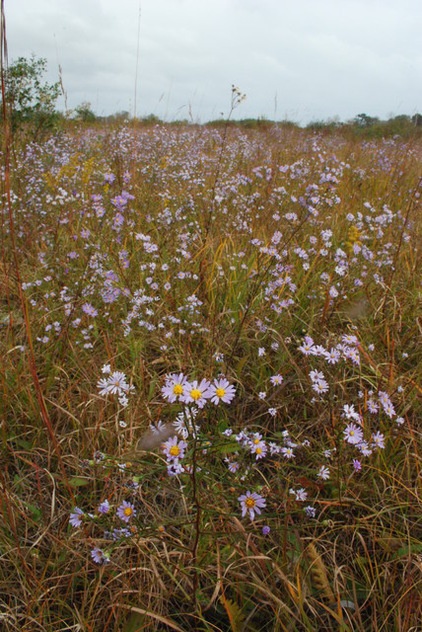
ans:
(350, 413)
(185, 422)
(320, 387)
(372, 406)
(310, 511)
(104, 507)
(324, 473)
(174, 387)
(274, 448)
(115, 384)
(276, 380)
(89, 310)
(174, 449)
(118, 534)
(265, 530)
(316, 376)
(174, 469)
(251, 503)
(99, 556)
(75, 518)
(299, 494)
(353, 434)
(259, 448)
(109, 178)
(357, 465)
(378, 440)
(287, 452)
(351, 353)
(350, 340)
(222, 391)
(197, 393)
(233, 466)
(262, 395)
(123, 400)
(307, 346)
(389, 409)
(272, 412)
(364, 448)
(126, 511)
(261, 352)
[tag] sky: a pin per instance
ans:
(300, 60)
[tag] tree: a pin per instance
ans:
(363, 120)
(29, 99)
(84, 113)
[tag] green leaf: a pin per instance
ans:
(78, 481)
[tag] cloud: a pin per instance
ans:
(305, 58)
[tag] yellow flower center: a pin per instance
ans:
(258, 451)
(174, 450)
(195, 394)
(220, 392)
(128, 511)
(178, 389)
(250, 502)
(256, 441)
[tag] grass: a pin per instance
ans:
(210, 251)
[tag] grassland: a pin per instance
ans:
(280, 262)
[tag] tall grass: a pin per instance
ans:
(287, 262)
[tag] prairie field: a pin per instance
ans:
(211, 381)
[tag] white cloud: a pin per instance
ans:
(302, 58)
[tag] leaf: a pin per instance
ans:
(153, 615)
(35, 512)
(234, 614)
(78, 481)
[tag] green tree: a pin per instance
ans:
(363, 120)
(83, 112)
(30, 100)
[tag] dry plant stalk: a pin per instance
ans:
(318, 573)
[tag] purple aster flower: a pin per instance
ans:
(174, 387)
(89, 310)
(378, 440)
(357, 465)
(76, 516)
(251, 503)
(104, 507)
(259, 448)
(276, 380)
(222, 391)
(353, 434)
(197, 393)
(99, 556)
(174, 449)
(126, 511)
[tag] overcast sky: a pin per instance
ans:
(302, 60)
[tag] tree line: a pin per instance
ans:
(31, 104)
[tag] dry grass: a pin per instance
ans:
(191, 561)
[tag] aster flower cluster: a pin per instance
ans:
(346, 349)
(177, 388)
(136, 275)
(125, 512)
(115, 384)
